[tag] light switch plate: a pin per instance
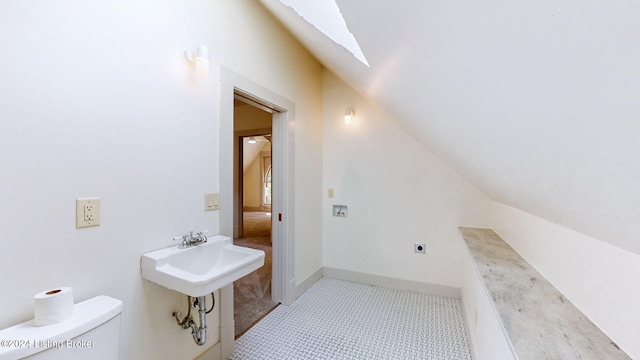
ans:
(87, 212)
(211, 202)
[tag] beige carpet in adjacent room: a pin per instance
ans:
(252, 293)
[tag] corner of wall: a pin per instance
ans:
(590, 273)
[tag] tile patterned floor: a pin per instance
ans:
(337, 319)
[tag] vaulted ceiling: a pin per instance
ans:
(536, 102)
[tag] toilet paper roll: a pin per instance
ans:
(53, 306)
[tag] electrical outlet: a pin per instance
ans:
(87, 212)
(420, 248)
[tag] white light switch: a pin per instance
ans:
(330, 193)
(211, 202)
(87, 212)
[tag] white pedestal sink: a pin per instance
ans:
(201, 269)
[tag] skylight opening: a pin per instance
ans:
(325, 16)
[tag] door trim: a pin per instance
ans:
(232, 83)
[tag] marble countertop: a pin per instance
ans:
(539, 321)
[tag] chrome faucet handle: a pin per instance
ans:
(201, 235)
(184, 240)
(190, 239)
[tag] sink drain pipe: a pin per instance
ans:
(199, 333)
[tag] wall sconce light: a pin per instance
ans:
(200, 58)
(252, 140)
(348, 114)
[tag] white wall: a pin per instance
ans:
(397, 193)
(599, 278)
(95, 101)
(253, 178)
(544, 91)
(276, 61)
(250, 152)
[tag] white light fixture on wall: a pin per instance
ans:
(252, 140)
(200, 58)
(348, 115)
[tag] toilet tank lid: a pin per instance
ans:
(27, 338)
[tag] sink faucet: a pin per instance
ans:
(191, 240)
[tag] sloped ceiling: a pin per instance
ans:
(536, 102)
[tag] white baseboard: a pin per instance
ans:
(392, 283)
(370, 279)
(306, 284)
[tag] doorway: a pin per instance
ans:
(253, 183)
(283, 286)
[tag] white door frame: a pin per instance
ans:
(283, 280)
(282, 160)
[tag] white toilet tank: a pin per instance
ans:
(92, 333)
